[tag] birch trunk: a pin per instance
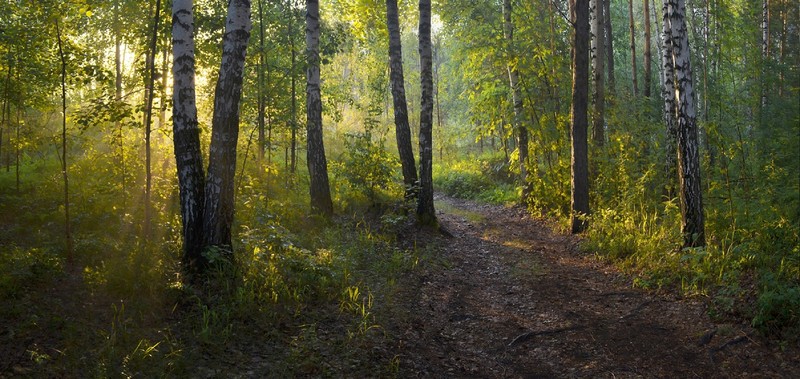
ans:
(402, 128)
(516, 95)
(219, 193)
(668, 94)
(609, 44)
(186, 134)
(425, 209)
(692, 223)
(317, 164)
(579, 119)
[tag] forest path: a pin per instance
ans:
(511, 299)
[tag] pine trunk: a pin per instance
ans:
(261, 89)
(402, 128)
(425, 209)
(598, 57)
(516, 95)
(580, 99)
(317, 165)
(186, 134)
(290, 31)
(692, 223)
(218, 209)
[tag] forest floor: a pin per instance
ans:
(514, 299)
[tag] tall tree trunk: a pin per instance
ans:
(150, 91)
(402, 128)
(118, 99)
(317, 164)
(765, 42)
(260, 72)
(598, 57)
(580, 99)
(784, 31)
(425, 209)
(6, 103)
(633, 49)
(648, 72)
(64, 166)
(692, 223)
(516, 96)
(186, 135)
(609, 44)
(219, 193)
(293, 166)
(668, 94)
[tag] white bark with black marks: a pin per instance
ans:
(219, 193)
(186, 134)
(425, 209)
(317, 164)
(691, 198)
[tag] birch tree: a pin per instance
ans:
(317, 164)
(682, 104)
(402, 128)
(425, 209)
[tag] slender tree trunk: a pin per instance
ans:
(648, 72)
(782, 47)
(402, 128)
(598, 57)
(150, 91)
(260, 72)
(580, 99)
(609, 44)
(425, 209)
(692, 223)
(317, 164)
(293, 166)
(64, 165)
(668, 94)
(633, 49)
(186, 135)
(17, 145)
(765, 42)
(118, 100)
(6, 103)
(219, 193)
(516, 96)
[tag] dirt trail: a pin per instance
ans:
(514, 299)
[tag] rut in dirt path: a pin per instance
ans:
(514, 299)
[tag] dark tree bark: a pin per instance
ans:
(633, 49)
(609, 44)
(219, 193)
(317, 164)
(668, 94)
(261, 90)
(648, 72)
(402, 128)
(580, 95)
(148, 118)
(692, 220)
(186, 135)
(598, 57)
(290, 30)
(425, 209)
(516, 95)
(64, 166)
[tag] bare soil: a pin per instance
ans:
(513, 299)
